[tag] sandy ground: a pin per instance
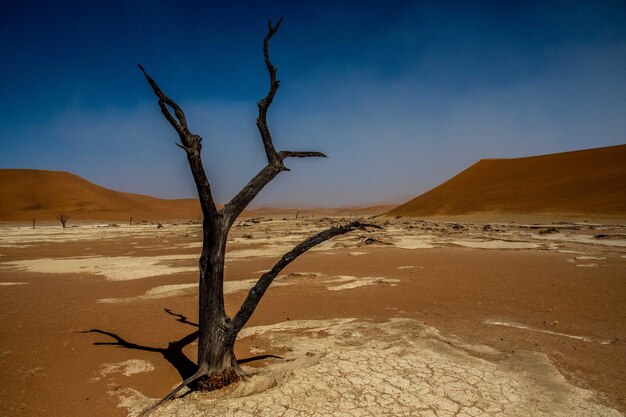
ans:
(421, 318)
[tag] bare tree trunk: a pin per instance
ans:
(214, 354)
(130, 222)
(33, 222)
(217, 365)
(63, 218)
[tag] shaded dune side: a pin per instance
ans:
(29, 193)
(585, 182)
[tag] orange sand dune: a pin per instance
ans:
(27, 193)
(588, 182)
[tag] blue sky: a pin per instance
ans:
(400, 95)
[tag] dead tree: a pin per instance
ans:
(217, 365)
(34, 222)
(130, 222)
(63, 218)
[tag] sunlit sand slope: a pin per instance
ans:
(586, 182)
(27, 193)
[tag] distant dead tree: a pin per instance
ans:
(63, 218)
(217, 365)
(33, 222)
(130, 222)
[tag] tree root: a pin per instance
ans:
(207, 383)
(200, 373)
(217, 381)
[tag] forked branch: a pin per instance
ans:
(190, 143)
(264, 103)
(179, 125)
(256, 293)
(275, 159)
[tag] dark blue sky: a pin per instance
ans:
(400, 95)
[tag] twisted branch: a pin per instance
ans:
(275, 159)
(190, 143)
(256, 293)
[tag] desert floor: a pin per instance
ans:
(420, 318)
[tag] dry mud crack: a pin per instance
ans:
(345, 367)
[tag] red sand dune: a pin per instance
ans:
(28, 193)
(589, 182)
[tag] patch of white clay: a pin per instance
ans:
(352, 282)
(230, 287)
(533, 329)
(156, 292)
(494, 244)
(347, 368)
(413, 242)
(581, 239)
(126, 368)
(116, 268)
(132, 400)
(26, 236)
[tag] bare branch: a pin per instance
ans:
(296, 154)
(237, 205)
(181, 124)
(274, 159)
(190, 143)
(234, 207)
(199, 373)
(256, 293)
(264, 104)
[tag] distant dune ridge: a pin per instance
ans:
(28, 193)
(579, 183)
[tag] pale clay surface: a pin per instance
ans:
(126, 368)
(276, 237)
(115, 268)
(343, 367)
(231, 287)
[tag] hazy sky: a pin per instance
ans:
(399, 95)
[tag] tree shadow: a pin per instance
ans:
(173, 353)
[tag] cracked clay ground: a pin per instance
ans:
(399, 368)
(445, 319)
